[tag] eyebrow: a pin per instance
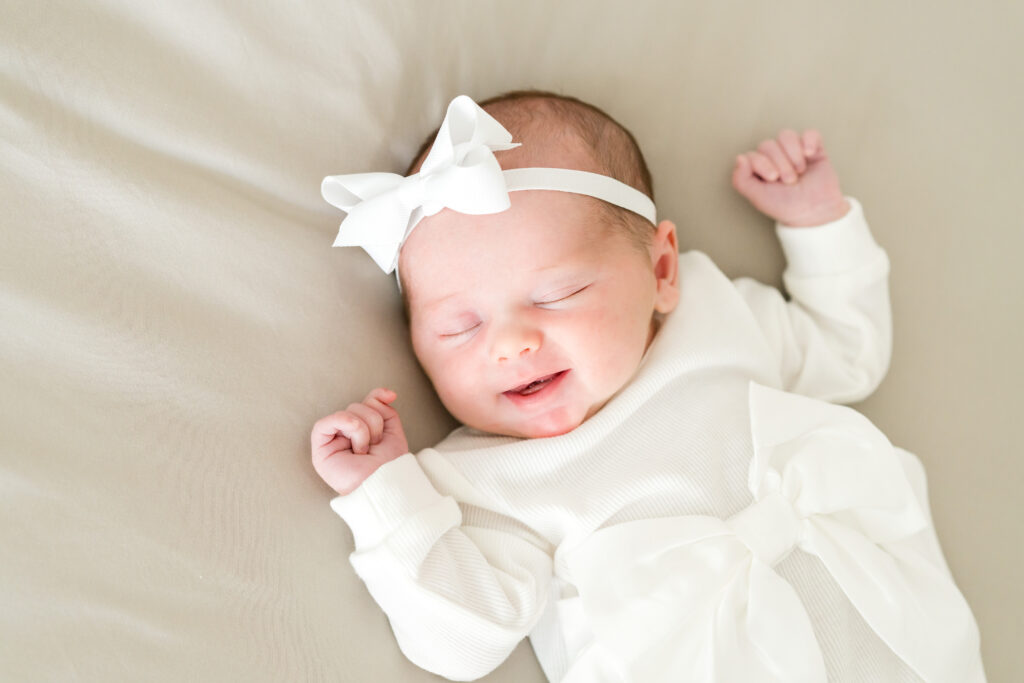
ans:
(436, 303)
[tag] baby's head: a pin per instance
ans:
(564, 132)
(527, 321)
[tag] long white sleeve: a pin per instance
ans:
(833, 340)
(461, 591)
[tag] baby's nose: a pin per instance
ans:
(514, 340)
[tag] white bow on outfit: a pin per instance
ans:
(694, 598)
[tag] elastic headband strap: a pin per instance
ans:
(582, 182)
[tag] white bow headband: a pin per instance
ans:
(459, 173)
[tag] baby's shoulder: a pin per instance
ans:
(696, 258)
(697, 265)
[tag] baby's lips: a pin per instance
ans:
(541, 378)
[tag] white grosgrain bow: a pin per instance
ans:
(460, 173)
(695, 598)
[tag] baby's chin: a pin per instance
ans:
(545, 431)
(557, 422)
(527, 433)
(541, 427)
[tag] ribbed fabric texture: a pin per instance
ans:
(463, 584)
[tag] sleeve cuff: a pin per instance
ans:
(842, 245)
(396, 491)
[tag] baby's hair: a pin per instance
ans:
(611, 145)
(564, 120)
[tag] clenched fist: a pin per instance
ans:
(791, 179)
(351, 444)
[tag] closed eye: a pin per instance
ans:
(459, 333)
(561, 297)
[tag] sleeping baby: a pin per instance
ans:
(653, 479)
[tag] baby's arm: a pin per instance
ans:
(461, 586)
(833, 340)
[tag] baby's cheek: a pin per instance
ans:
(445, 379)
(465, 396)
(452, 393)
(617, 340)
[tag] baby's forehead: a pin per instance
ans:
(449, 256)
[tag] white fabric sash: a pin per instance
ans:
(694, 598)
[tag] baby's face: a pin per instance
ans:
(527, 321)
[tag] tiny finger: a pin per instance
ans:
(773, 151)
(327, 428)
(385, 411)
(357, 432)
(374, 420)
(812, 143)
(330, 445)
(381, 394)
(790, 143)
(741, 172)
(763, 166)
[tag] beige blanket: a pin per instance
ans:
(173, 318)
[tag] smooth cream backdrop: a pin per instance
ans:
(173, 319)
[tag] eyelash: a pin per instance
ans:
(562, 298)
(453, 335)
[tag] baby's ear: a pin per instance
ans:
(665, 260)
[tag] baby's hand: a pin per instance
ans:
(791, 179)
(351, 444)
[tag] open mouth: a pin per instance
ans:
(536, 385)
